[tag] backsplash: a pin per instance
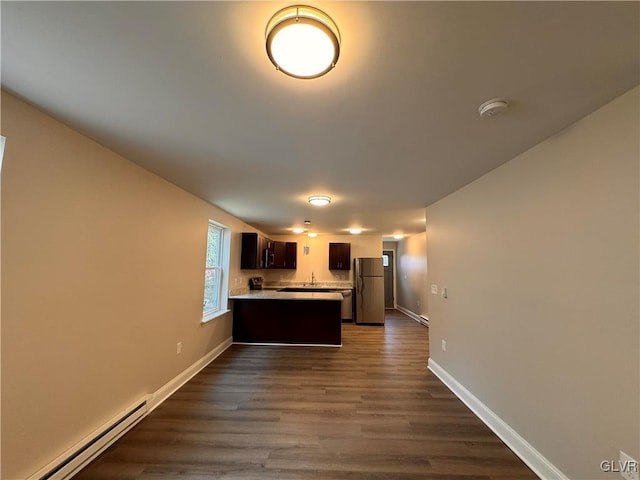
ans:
(329, 284)
(239, 290)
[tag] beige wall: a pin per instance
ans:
(412, 272)
(102, 274)
(318, 259)
(541, 262)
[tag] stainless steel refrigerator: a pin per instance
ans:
(369, 285)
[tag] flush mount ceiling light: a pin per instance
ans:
(298, 230)
(303, 42)
(355, 231)
(398, 236)
(312, 234)
(319, 200)
(493, 107)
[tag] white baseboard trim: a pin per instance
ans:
(170, 388)
(422, 319)
(86, 450)
(523, 449)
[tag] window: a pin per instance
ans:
(2, 140)
(214, 277)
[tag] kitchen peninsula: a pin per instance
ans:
(280, 317)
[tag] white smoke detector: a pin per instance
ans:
(493, 107)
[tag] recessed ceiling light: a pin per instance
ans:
(298, 230)
(302, 41)
(319, 200)
(312, 234)
(398, 236)
(355, 231)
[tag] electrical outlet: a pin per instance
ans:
(444, 345)
(434, 289)
(628, 467)
(179, 348)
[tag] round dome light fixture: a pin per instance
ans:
(312, 234)
(297, 230)
(302, 42)
(493, 107)
(355, 231)
(398, 236)
(319, 200)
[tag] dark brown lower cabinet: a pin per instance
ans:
(312, 322)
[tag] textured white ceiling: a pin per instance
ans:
(186, 90)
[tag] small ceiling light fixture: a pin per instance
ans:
(493, 107)
(319, 200)
(312, 234)
(303, 42)
(398, 236)
(307, 222)
(355, 231)
(298, 230)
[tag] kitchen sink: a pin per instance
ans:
(307, 289)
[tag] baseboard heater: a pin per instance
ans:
(89, 449)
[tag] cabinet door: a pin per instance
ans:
(291, 255)
(279, 251)
(339, 256)
(250, 257)
(345, 256)
(263, 245)
(333, 256)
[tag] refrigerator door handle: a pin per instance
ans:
(361, 282)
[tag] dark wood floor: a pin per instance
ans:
(368, 410)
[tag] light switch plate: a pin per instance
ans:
(434, 289)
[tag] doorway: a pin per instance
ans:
(387, 261)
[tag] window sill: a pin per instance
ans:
(213, 316)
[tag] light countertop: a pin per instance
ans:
(275, 295)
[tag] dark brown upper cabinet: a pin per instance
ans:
(339, 256)
(252, 253)
(279, 251)
(291, 255)
(258, 252)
